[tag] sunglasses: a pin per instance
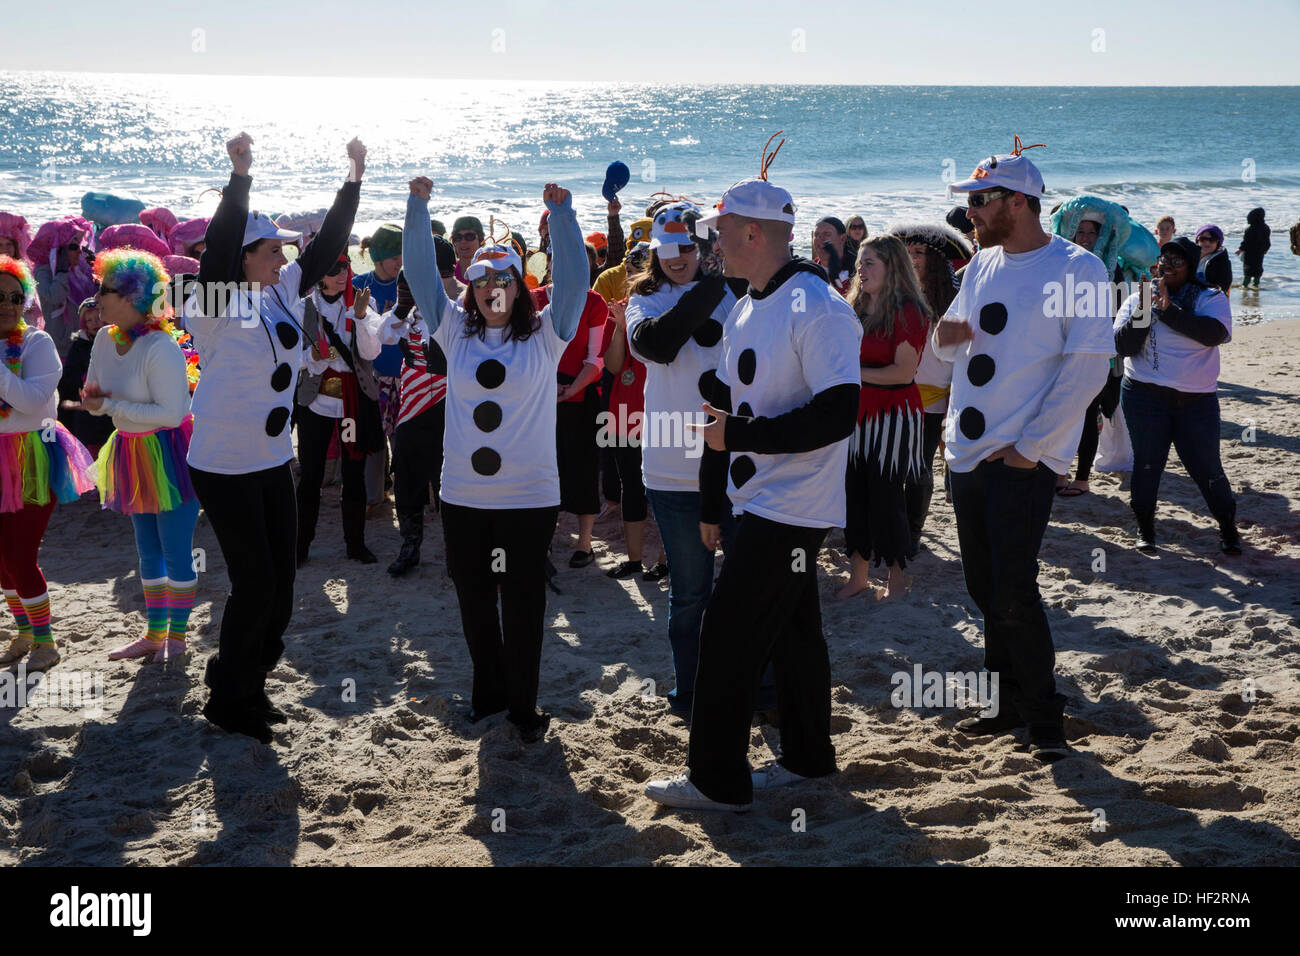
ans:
(13, 298)
(502, 280)
(465, 237)
(336, 269)
(73, 247)
(980, 200)
(1205, 239)
(1167, 262)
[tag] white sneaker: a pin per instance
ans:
(772, 774)
(680, 792)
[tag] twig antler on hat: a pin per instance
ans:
(765, 161)
(1018, 147)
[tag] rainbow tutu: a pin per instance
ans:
(143, 473)
(34, 471)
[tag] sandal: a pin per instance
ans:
(1069, 491)
(626, 569)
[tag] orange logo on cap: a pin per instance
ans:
(980, 173)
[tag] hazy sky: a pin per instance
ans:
(1102, 42)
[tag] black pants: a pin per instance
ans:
(417, 459)
(1088, 440)
(609, 471)
(253, 516)
(920, 488)
(314, 434)
(765, 604)
(506, 547)
(1001, 515)
(628, 460)
(578, 455)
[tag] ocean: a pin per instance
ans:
(1199, 154)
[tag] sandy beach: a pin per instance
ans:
(1160, 657)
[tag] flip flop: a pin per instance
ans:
(617, 176)
(1069, 492)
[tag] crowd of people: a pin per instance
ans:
(693, 372)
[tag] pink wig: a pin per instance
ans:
(14, 226)
(132, 236)
(162, 221)
(187, 234)
(56, 234)
(181, 264)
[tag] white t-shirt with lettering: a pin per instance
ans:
(1172, 359)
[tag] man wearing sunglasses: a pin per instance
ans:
(1022, 377)
(466, 239)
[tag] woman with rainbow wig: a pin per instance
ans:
(40, 462)
(137, 375)
(15, 238)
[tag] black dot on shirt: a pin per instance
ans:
(745, 411)
(485, 461)
(971, 423)
(742, 469)
(993, 318)
(487, 416)
(708, 334)
(709, 385)
(491, 373)
(281, 377)
(746, 365)
(980, 369)
(276, 421)
(287, 334)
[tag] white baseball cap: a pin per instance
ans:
(262, 226)
(753, 199)
(498, 257)
(1013, 172)
(670, 229)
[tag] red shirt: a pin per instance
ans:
(910, 327)
(594, 315)
(625, 397)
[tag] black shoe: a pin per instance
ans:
(1004, 723)
(1146, 534)
(474, 716)
(656, 573)
(679, 705)
(580, 559)
(238, 719)
(1048, 746)
(270, 713)
(407, 558)
(626, 569)
(1229, 537)
(533, 732)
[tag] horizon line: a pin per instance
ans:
(603, 83)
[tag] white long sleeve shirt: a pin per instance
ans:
(34, 391)
(148, 387)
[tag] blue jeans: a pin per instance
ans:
(690, 576)
(1158, 417)
(165, 543)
